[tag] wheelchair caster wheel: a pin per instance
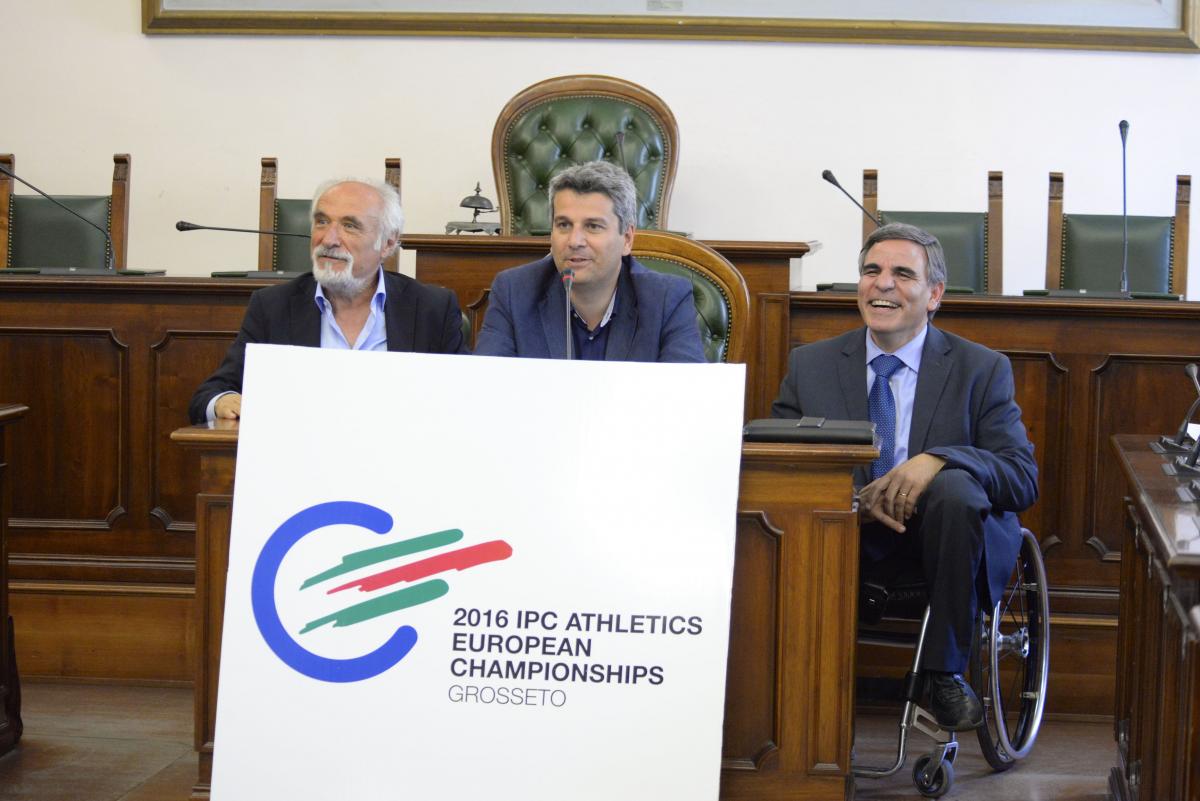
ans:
(932, 781)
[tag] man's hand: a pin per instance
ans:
(229, 407)
(892, 497)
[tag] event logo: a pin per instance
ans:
(349, 513)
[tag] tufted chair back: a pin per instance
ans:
(36, 233)
(973, 241)
(291, 253)
(1084, 251)
(719, 290)
(565, 121)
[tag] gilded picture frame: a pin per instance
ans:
(332, 17)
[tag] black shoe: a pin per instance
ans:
(952, 701)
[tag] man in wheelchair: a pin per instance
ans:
(955, 465)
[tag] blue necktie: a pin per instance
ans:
(882, 407)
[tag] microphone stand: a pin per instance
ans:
(184, 225)
(1124, 128)
(828, 176)
(568, 279)
(1181, 441)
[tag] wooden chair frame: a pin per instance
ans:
(574, 86)
(268, 194)
(118, 219)
(1179, 242)
(703, 259)
(994, 274)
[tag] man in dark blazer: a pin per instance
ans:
(956, 467)
(347, 302)
(620, 310)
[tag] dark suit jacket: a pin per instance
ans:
(420, 318)
(963, 411)
(654, 320)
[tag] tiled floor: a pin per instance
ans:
(103, 743)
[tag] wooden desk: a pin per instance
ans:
(10, 687)
(789, 704)
(467, 264)
(1157, 719)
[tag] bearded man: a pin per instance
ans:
(348, 302)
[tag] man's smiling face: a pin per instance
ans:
(894, 293)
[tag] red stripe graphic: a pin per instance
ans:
(494, 551)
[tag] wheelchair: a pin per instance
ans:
(1008, 669)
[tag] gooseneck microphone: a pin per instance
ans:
(1179, 442)
(184, 225)
(828, 176)
(108, 254)
(1123, 126)
(568, 279)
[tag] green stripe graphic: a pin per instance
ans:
(373, 556)
(392, 602)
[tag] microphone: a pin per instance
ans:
(184, 225)
(108, 255)
(568, 279)
(1123, 126)
(1180, 442)
(828, 176)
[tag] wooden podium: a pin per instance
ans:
(789, 696)
(10, 693)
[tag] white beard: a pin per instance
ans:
(341, 283)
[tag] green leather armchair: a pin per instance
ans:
(1084, 251)
(36, 233)
(290, 253)
(973, 241)
(719, 290)
(565, 121)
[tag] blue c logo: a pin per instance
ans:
(266, 614)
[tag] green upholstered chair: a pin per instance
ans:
(1084, 251)
(36, 233)
(290, 253)
(973, 241)
(719, 290)
(565, 121)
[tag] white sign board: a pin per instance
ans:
(466, 577)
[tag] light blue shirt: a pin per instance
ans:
(372, 337)
(374, 333)
(903, 384)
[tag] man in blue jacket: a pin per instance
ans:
(620, 310)
(955, 465)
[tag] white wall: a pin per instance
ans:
(197, 114)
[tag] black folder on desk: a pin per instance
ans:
(810, 430)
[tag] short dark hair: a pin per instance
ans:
(603, 178)
(935, 259)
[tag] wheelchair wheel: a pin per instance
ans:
(935, 782)
(1011, 660)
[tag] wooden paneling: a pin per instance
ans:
(101, 535)
(10, 693)
(71, 440)
(108, 365)
(751, 729)
(111, 632)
